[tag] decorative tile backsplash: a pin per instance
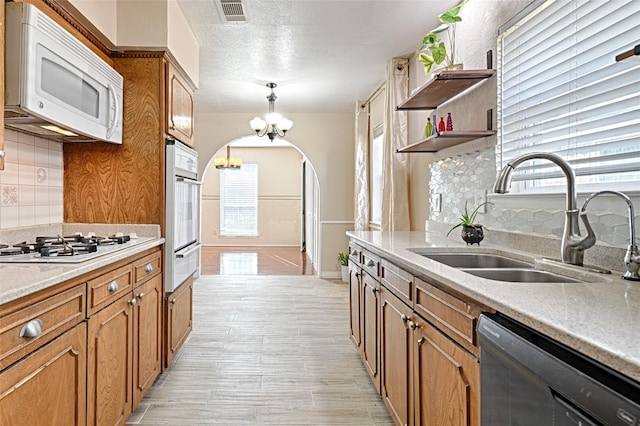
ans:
(31, 183)
(460, 177)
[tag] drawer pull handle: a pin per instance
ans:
(404, 318)
(132, 302)
(354, 252)
(413, 325)
(370, 263)
(113, 286)
(32, 329)
(149, 268)
(141, 296)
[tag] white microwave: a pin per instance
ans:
(55, 86)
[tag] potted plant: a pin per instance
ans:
(343, 258)
(434, 50)
(471, 231)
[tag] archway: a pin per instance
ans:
(287, 206)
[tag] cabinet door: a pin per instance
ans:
(48, 387)
(370, 321)
(147, 336)
(446, 380)
(396, 335)
(354, 302)
(179, 107)
(2, 87)
(179, 314)
(110, 339)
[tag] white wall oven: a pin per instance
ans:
(182, 222)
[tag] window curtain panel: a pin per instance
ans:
(361, 189)
(395, 189)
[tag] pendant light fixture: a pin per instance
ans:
(274, 124)
(229, 162)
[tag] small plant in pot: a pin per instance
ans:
(343, 259)
(471, 231)
(433, 50)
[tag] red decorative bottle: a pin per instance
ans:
(441, 126)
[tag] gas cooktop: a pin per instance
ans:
(67, 249)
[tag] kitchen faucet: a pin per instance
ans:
(632, 256)
(573, 244)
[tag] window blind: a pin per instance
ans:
(560, 90)
(239, 201)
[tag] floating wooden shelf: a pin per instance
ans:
(443, 87)
(445, 140)
(630, 55)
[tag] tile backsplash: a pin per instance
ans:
(31, 183)
(459, 177)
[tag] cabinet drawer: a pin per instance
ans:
(107, 288)
(355, 252)
(455, 317)
(147, 267)
(371, 264)
(44, 320)
(396, 280)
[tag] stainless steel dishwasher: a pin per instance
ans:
(527, 379)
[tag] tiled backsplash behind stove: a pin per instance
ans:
(31, 183)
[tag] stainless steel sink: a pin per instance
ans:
(520, 275)
(476, 260)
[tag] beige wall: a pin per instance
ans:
(327, 141)
(279, 198)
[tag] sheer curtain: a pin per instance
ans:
(361, 207)
(395, 201)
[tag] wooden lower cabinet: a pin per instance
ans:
(179, 319)
(370, 327)
(48, 387)
(446, 380)
(355, 292)
(396, 353)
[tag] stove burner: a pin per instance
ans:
(68, 249)
(9, 251)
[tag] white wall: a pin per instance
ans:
(327, 140)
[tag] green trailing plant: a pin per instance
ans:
(343, 258)
(467, 218)
(433, 50)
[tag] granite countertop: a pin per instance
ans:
(598, 316)
(21, 279)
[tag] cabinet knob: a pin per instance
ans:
(404, 318)
(370, 263)
(149, 268)
(421, 340)
(354, 252)
(173, 301)
(413, 325)
(32, 329)
(132, 302)
(113, 286)
(375, 290)
(1, 153)
(141, 296)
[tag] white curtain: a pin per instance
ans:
(395, 200)
(361, 207)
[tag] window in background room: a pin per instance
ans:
(239, 201)
(560, 90)
(376, 168)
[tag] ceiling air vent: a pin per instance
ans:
(232, 10)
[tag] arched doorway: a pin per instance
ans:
(284, 213)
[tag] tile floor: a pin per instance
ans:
(266, 350)
(255, 261)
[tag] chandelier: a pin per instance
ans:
(274, 124)
(229, 162)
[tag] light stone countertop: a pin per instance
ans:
(21, 279)
(598, 316)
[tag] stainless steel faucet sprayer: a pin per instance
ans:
(573, 244)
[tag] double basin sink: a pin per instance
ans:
(495, 267)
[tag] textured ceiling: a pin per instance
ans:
(324, 55)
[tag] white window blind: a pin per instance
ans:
(239, 201)
(560, 90)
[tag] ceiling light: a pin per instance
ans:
(273, 123)
(229, 162)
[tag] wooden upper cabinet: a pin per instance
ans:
(179, 106)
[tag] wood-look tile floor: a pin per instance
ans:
(266, 350)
